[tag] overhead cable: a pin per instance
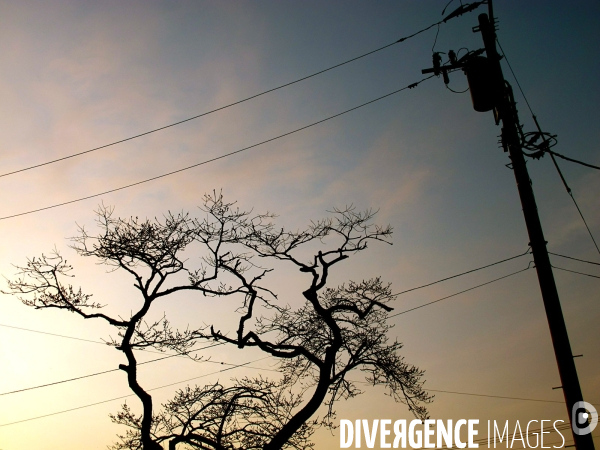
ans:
(570, 192)
(130, 395)
(551, 152)
(515, 77)
(410, 86)
(98, 342)
(113, 370)
(222, 107)
(465, 273)
(562, 402)
(53, 334)
(400, 293)
(250, 362)
(461, 292)
(139, 364)
(241, 365)
(575, 259)
(79, 378)
(481, 395)
(574, 271)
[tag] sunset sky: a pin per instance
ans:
(76, 75)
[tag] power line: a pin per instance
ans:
(552, 153)
(223, 107)
(480, 395)
(113, 370)
(497, 396)
(570, 192)
(250, 362)
(170, 356)
(575, 259)
(393, 315)
(139, 364)
(515, 77)
(218, 362)
(464, 273)
(574, 271)
(79, 378)
(410, 86)
(106, 371)
(561, 427)
(400, 293)
(242, 365)
(130, 395)
(461, 292)
(53, 334)
(531, 110)
(99, 342)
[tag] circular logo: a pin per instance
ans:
(584, 418)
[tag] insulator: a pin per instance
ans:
(437, 61)
(452, 56)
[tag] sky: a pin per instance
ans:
(77, 75)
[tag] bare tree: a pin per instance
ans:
(338, 330)
(241, 417)
(150, 251)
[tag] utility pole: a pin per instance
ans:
(490, 91)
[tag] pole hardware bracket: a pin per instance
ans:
(462, 9)
(453, 63)
(531, 141)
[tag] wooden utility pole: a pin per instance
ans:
(490, 91)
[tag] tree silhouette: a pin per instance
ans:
(338, 330)
(243, 417)
(150, 251)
